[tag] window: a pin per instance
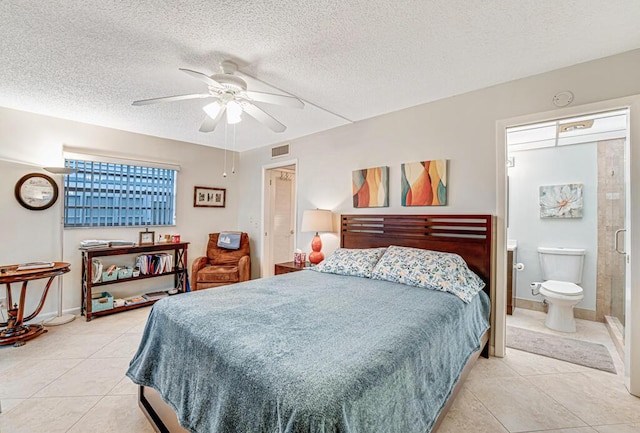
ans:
(563, 132)
(115, 194)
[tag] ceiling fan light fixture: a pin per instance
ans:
(234, 112)
(212, 109)
(232, 98)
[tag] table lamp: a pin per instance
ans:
(317, 220)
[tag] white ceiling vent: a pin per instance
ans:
(279, 151)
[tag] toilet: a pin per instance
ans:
(562, 272)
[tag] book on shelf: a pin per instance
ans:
(88, 244)
(93, 243)
(34, 265)
(121, 243)
(152, 296)
(134, 300)
(153, 264)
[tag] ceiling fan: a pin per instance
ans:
(231, 98)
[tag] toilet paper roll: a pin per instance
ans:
(519, 266)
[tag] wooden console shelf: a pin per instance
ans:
(179, 272)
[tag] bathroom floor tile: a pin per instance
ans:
(586, 330)
(520, 406)
(529, 364)
(594, 332)
(596, 397)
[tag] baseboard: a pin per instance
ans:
(584, 314)
(528, 304)
(46, 316)
(578, 313)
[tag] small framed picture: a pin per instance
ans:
(146, 238)
(203, 196)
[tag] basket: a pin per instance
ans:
(104, 302)
(106, 276)
(125, 272)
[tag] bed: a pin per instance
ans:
(320, 352)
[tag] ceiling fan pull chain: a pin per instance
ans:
(233, 154)
(224, 172)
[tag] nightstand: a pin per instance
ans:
(285, 268)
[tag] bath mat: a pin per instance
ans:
(579, 352)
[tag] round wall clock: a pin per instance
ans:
(36, 191)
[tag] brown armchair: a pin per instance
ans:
(222, 266)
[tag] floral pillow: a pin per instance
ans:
(435, 270)
(353, 262)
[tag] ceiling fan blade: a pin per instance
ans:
(270, 98)
(209, 124)
(263, 117)
(202, 77)
(172, 98)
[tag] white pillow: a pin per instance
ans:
(353, 262)
(446, 272)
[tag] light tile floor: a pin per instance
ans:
(71, 379)
(524, 392)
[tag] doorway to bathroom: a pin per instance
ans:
(566, 189)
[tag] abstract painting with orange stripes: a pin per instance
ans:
(371, 187)
(424, 183)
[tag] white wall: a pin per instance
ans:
(326, 161)
(33, 235)
(554, 166)
(461, 129)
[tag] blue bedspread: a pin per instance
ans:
(308, 352)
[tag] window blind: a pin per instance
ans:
(108, 194)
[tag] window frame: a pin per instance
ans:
(118, 192)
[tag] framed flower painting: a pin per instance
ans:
(561, 201)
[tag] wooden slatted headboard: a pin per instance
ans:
(470, 236)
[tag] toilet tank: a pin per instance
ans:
(562, 264)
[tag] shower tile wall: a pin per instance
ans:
(611, 212)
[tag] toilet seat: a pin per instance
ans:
(563, 288)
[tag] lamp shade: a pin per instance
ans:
(317, 220)
(234, 111)
(212, 109)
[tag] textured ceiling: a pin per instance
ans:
(87, 60)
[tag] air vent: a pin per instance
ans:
(279, 151)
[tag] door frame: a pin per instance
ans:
(264, 203)
(632, 237)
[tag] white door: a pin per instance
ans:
(279, 217)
